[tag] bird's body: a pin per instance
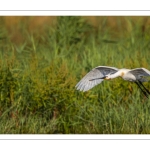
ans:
(126, 75)
(98, 74)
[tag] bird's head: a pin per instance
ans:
(107, 77)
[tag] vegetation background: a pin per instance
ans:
(43, 58)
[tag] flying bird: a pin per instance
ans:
(100, 73)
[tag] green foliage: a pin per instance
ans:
(38, 78)
(71, 30)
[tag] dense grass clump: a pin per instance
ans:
(39, 74)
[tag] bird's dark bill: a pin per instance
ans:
(97, 78)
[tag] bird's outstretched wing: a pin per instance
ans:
(87, 82)
(140, 72)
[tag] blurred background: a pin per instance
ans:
(32, 24)
(43, 58)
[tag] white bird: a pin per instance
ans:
(98, 74)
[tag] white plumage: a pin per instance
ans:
(98, 74)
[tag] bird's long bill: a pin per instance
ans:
(97, 78)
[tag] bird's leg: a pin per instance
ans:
(144, 87)
(141, 89)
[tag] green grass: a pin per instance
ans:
(38, 78)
